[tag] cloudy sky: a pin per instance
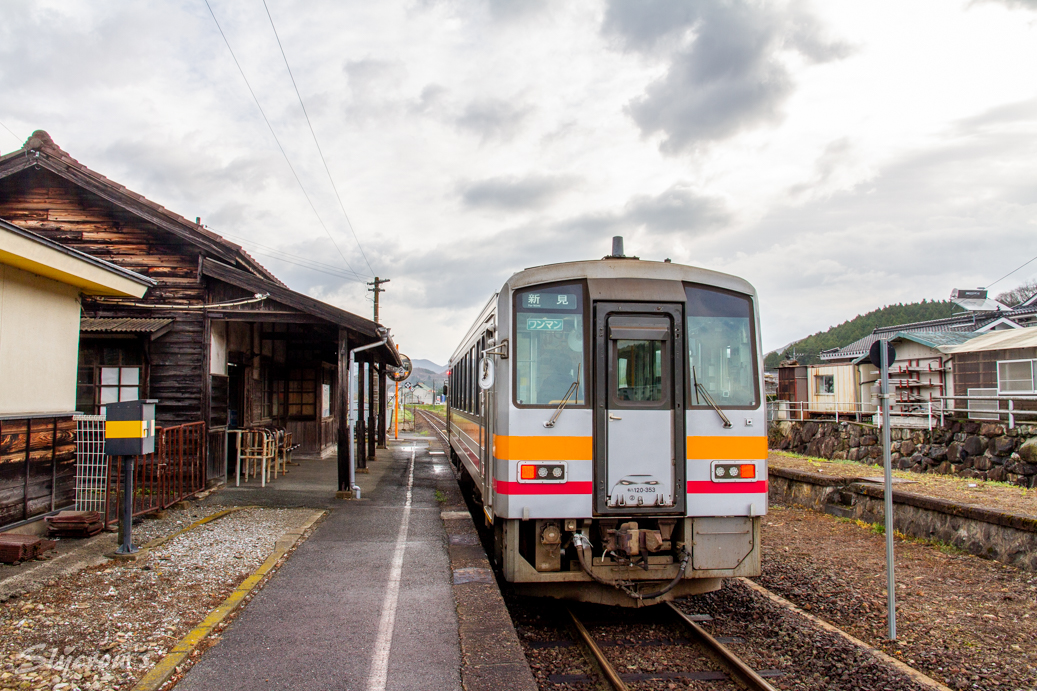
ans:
(840, 155)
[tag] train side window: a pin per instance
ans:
(721, 339)
(475, 380)
(550, 344)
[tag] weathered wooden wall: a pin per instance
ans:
(51, 206)
(37, 467)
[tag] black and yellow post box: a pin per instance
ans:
(129, 431)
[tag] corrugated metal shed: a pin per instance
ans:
(123, 326)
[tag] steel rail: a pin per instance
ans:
(597, 658)
(741, 673)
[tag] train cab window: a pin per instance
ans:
(721, 341)
(550, 345)
(639, 371)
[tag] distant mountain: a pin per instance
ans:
(433, 380)
(430, 366)
(806, 350)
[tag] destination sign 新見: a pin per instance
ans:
(550, 301)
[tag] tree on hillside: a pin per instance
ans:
(1018, 294)
(807, 351)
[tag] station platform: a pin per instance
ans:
(370, 601)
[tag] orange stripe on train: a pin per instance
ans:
(551, 448)
(727, 448)
(543, 448)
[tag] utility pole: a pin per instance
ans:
(377, 283)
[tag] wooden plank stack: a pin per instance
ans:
(75, 523)
(15, 548)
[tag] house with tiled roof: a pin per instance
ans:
(217, 339)
(922, 376)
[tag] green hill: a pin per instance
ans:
(807, 349)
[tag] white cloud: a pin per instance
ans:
(838, 155)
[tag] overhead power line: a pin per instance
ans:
(299, 260)
(20, 141)
(274, 134)
(1011, 272)
(314, 134)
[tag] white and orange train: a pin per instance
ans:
(611, 418)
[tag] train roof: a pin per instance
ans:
(626, 268)
(612, 279)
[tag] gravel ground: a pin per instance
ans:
(967, 622)
(104, 627)
(774, 637)
(992, 495)
(766, 635)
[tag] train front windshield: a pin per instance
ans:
(721, 347)
(549, 345)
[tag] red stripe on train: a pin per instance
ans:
(694, 487)
(504, 487)
(709, 487)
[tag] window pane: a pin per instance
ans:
(639, 375)
(110, 376)
(549, 345)
(1014, 377)
(130, 376)
(109, 394)
(128, 393)
(721, 345)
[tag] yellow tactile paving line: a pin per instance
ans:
(165, 668)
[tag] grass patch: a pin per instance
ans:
(440, 497)
(880, 529)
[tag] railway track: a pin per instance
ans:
(730, 667)
(435, 422)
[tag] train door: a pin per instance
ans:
(639, 408)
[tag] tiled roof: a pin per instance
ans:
(40, 150)
(935, 339)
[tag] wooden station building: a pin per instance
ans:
(218, 339)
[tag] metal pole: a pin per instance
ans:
(127, 506)
(396, 413)
(891, 584)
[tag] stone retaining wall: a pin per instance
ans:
(1008, 538)
(985, 451)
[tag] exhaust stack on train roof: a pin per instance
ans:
(617, 249)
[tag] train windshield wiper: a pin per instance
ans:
(709, 399)
(568, 394)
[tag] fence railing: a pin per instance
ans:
(174, 472)
(993, 408)
(925, 413)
